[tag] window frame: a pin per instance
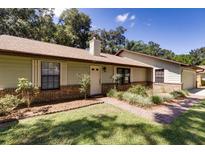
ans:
(159, 77)
(59, 75)
(123, 80)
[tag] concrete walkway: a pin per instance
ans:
(197, 93)
(162, 114)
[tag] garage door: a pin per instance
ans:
(188, 79)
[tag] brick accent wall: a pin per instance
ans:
(64, 93)
(107, 86)
(7, 91)
(166, 87)
(72, 91)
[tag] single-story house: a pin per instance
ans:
(176, 75)
(55, 69)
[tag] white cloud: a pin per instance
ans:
(58, 11)
(132, 24)
(122, 17)
(94, 27)
(132, 17)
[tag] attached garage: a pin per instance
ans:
(189, 79)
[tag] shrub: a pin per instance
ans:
(179, 93)
(149, 92)
(114, 93)
(119, 95)
(136, 99)
(156, 99)
(8, 103)
(142, 101)
(111, 92)
(138, 89)
(128, 96)
(165, 96)
(26, 90)
(186, 92)
(84, 84)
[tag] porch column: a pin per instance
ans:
(36, 73)
(153, 75)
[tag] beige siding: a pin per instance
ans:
(172, 71)
(198, 79)
(173, 74)
(108, 74)
(138, 74)
(70, 71)
(188, 79)
(75, 69)
(31, 68)
(12, 68)
(150, 74)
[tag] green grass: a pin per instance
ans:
(106, 124)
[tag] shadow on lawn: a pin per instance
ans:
(187, 129)
(175, 111)
(89, 129)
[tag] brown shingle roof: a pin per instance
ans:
(17, 45)
(201, 69)
(159, 58)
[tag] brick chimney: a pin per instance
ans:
(95, 47)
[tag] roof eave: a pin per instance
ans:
(21, 53)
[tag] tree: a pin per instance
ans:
(8, 103)
(138, 46)
(29, 23)
(168, 54)
(198, 56)
(151, 48)
(184, 58)
(45, 26)
(73, 29)
(84, 84)
(26, 90)
(112, 40)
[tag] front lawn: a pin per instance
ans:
(106, 124)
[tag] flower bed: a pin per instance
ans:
(144, 97)
(47, 109)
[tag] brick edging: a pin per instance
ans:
(20, 118)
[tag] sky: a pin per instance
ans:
(179, 30)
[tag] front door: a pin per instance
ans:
(95, 80)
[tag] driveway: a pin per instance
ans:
(197, 93)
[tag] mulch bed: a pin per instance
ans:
(47, 109)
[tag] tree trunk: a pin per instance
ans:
(85, 95)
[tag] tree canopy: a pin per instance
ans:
(73, 28)
(112, 40)
(151, 48)
(29, 23)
